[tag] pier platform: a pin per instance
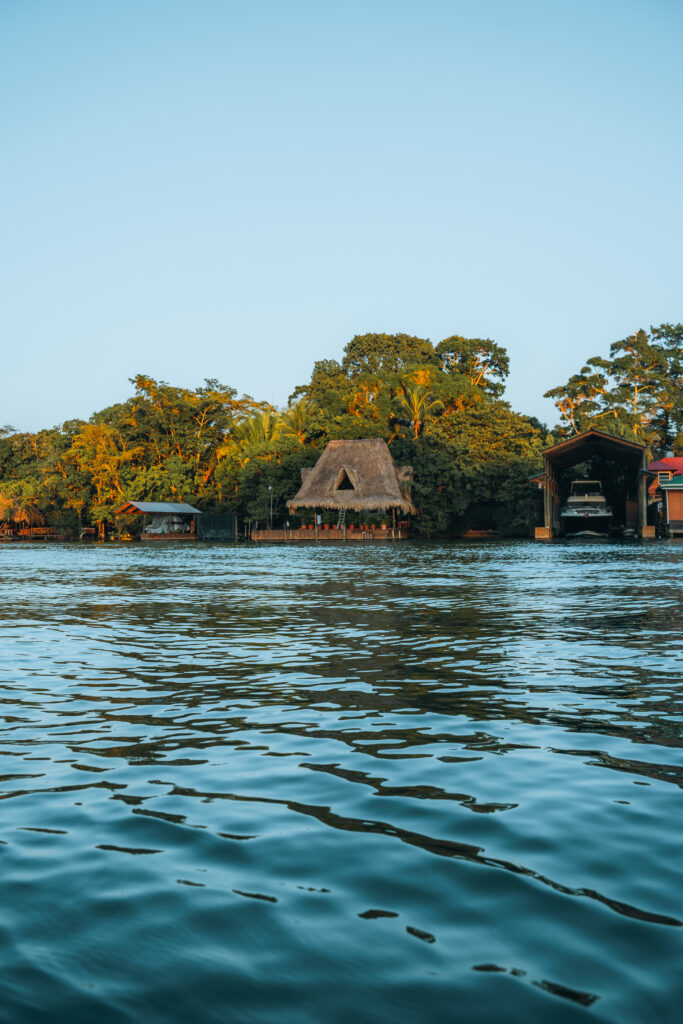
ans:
(331, 534)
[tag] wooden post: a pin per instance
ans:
(642, 496)
(556, 519)
(667, 513)
(545, 532)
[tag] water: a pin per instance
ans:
(408, 783)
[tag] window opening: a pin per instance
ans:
(344, 483)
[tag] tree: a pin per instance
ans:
(19, 503)
(261, 427)
(381, 355)
(99, 453)
(418, 405)
(583, 401)
(669, 422)
(638, 369)
(296, 421)
(485, 364)
(635, 393)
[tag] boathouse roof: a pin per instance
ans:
(357, 475)
(164, 507)
(581, 447)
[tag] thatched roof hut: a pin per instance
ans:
(357, 475)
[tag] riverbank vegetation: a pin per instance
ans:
(439, 407)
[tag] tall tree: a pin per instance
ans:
(635, 393)
(380, 355)
(99, 452)
(584, 401)
(638, 369)
(417, 404)
(297, 420)
(485, 364)
(669, 340)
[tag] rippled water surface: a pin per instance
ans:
(318, 784)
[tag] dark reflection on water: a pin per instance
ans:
(422, 782)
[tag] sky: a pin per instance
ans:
(213, 189)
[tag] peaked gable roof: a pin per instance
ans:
(358, 475)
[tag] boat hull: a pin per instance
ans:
(599, 524)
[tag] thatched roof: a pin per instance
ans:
(356, 475)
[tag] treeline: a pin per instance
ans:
(439, 407)
(636, 393)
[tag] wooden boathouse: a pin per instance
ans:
(163, 520)
(167, 520)
(351, 476)
(631, 459)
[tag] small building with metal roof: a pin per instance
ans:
(663, 469)
(163, 520)
(169, 520)
(672, 491)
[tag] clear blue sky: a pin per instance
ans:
(209, 188)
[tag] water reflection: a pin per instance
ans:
(193, 745)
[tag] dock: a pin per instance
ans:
(328, 534)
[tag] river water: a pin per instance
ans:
(412, 782)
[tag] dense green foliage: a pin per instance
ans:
(637, 393)
(438, 407)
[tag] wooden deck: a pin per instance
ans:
(30, 533)
(332, 534)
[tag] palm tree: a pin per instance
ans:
(17, 508)
(261, 427)
(294, 421)
(417, 404)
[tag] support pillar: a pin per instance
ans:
(643, 529)
(546, 531)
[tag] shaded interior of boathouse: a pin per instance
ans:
(620, 466)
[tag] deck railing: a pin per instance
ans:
(327, 534)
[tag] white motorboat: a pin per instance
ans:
(586, 509)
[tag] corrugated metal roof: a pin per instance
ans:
(673, 463)
(170, 508)
(674, 482)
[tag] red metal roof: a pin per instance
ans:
(671, 464)
(674, 464)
